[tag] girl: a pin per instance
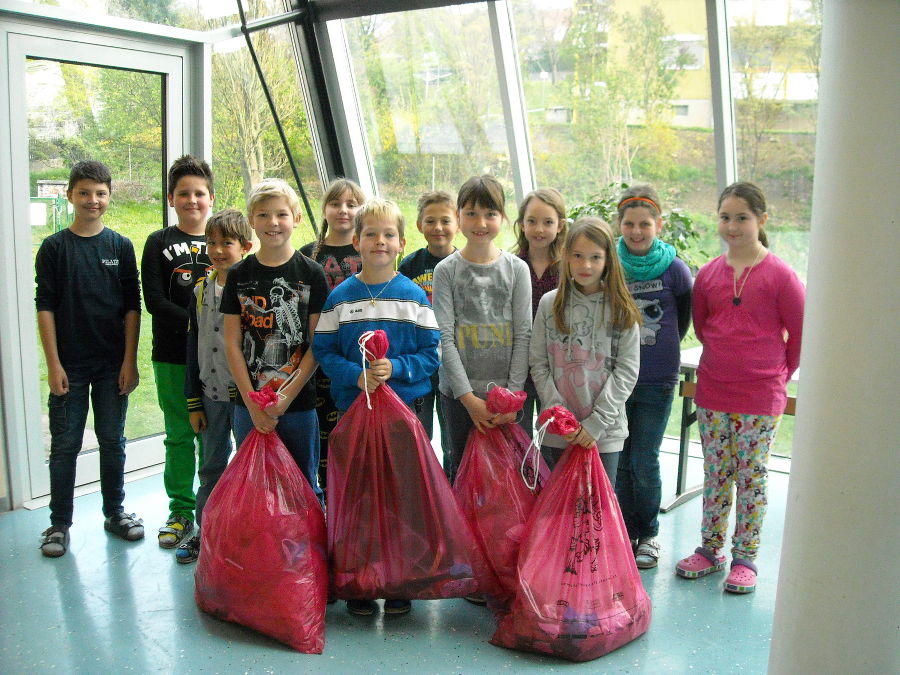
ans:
(334, 251)
(481, 302)
(585, 345)
(745, 301)
(661, 286)
(540, 230)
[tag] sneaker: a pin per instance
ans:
(394, 606)
(188, 551)
(742, 578)
(125, 525)
(479, 600)
(646, 555)
(700, 564)
(55, 541)
(362, 607)
(174, 531)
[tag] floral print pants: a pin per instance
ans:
(735, 453)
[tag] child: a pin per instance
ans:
(271, 302)
(585, 347)
(661, 286)
(334, 251)
(174, 260)
(437, 221)
(208, 386)
(378, 298)
(481, 302)
(744, 302)
(540, 230)
(88, 308)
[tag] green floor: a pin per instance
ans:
(112, 607)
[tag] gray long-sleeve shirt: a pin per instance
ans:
(484, 315)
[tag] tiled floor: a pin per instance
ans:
(109, 606)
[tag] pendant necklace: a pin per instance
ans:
(373, 298)
(736, 299)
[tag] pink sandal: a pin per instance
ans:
(742, 578)
(700, 564)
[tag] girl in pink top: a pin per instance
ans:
(748, 313)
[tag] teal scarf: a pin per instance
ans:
(646, 267)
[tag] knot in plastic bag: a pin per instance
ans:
(563, 421)
(264, 398)
(501, 400)
(375, 343)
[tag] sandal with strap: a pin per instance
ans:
(703, 562)
(174, 531)
(55, 541)
(742, 577)
(125, 525)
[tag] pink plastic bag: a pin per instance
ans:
(493, 488)
(262, 554)
(394, 528)
(579, 593)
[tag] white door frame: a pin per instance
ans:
(185, 67)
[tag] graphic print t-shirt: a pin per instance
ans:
(419, 267)
(274, 304)
(338, 262)
(172, 264)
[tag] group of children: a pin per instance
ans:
(576, 317)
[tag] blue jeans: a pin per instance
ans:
(216, 448)
(639, 486)
(299, 431)
(68, 414)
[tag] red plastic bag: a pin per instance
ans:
(579, 593)
(493, 488)
(262, 554)
(394, 528)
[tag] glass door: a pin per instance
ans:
(85, 101)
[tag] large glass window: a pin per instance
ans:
(427, 86)
(774, 75)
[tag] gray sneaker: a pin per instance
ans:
(646, 555)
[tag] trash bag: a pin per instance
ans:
(579, 593)
(394, 527)
(262, 557)
(496, 488)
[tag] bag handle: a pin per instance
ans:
(536, 443)
(362, 342)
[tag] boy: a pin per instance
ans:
(174, 260)
(437, 221)
(208, 386)
(271, 303)
(378, 298)
(88, 306)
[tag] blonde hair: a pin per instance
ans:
(381, 209)
(272, 188)
(555, 201)
(335, 190)
(434, 197)
(624, 311)
(230, 224)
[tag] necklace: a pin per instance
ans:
(373, 298)
(736, 300)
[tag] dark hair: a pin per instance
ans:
(231, 224)
(639, 195)
(484, 191)
(90, 170)
(188, 165)
(335, 190)
(555, 201)
(755, 199)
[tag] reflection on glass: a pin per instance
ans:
(80, 112)
(246, 145)
(775, 76)
(427, 84)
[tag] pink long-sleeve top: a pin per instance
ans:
(749, 350)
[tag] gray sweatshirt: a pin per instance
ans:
(591, 371)
(483, 314)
